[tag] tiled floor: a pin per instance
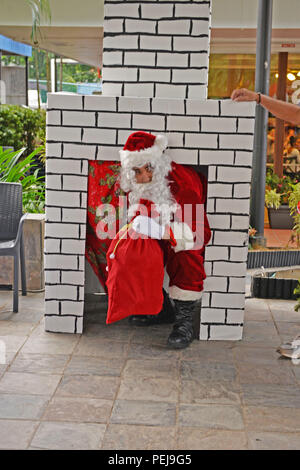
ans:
(118, 387)
(279, 238)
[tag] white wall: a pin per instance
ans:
(243, 13)
(64, 13)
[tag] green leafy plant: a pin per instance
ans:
(21, 127)
(280, 186)
(272, 198)
(15, 169)
(294, 204)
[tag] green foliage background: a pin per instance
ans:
(22, 127)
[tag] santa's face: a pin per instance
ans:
(143, 174)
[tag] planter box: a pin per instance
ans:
(270, 287)
(272, 258)
(280, 218)
(34, 255)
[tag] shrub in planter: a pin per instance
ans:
(22, 127)
(283, 200)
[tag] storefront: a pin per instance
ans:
(230, 71)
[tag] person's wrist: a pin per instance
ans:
(258, 98)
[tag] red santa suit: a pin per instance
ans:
(175, 199)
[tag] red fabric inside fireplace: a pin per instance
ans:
(104, 188)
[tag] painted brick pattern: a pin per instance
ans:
(161, 46)
(103, 123)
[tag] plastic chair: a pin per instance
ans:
(11, 233)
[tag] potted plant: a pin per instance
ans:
(277, 195)
(16, 169)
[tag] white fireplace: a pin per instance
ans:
(155, 79)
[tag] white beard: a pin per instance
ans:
(157, 191)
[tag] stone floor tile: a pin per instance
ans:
(219, 351)
(143, 412)
(152, 351)
(22, 406)
(152, 335)
(254, 303)
(113, 332)
(288, 330)
(156, 367)
(84, 410)
(124, 437)
(91, 386)
(257, 310)
(290, 316)
(296, 371)
(211, 416)
(13, 343)
(272, 419)
(32, 299)
(26, 314)
(68, 436)
(149, 388)
(273, 441)
(50, 343)
(204, 439)
(39, 363)
(281, 305)
(260, 333)
(31, 384)
(16, 434)
(94, 346)
(286, 396)
(87, 365)
(203, 370)
(254, 374)
(209, 392)
(257, 355)
(16, 328)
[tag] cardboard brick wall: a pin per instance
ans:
(215, 133)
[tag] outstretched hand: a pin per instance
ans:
(243, 94)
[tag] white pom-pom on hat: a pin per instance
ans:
(161, 141)
(112, 256)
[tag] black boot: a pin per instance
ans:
(166, 315)
(183, 331)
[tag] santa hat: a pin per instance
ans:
(142, 148)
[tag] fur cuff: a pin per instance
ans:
(181, 294)
(183, 236)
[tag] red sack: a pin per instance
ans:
(135, 276)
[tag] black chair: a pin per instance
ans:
(11, 233)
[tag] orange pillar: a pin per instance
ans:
(279, 123)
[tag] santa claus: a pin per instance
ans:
(174, 198)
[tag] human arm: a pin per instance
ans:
(281, 109)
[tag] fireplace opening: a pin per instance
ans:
(104, 194)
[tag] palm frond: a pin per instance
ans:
(40, 10)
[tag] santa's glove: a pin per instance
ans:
(147, 226)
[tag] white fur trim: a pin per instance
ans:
(142, 157)
(183, 236)
(182, 294)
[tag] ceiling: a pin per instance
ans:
(79, 43)
(76, 29)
